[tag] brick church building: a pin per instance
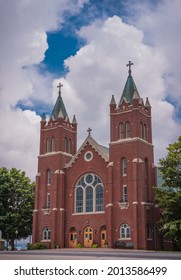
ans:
(97, 195)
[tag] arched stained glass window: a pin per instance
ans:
(125, 231)
(124, 166)
(89, 199)
(48, 200)
(79, 200)
(70, 146)
(53, 144)
(121, 131)
(89, 194)
(46, 233)
(99, 198)
(146, 180)
(125, 193)
(48, 145)
(48, 177)
(66, 144)
(128, 132)
(148, 231)
(141, 130)
(144, 132)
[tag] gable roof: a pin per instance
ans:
(101, 150)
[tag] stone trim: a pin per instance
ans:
(123, 205)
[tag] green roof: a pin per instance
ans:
(59, 108)
(129, 90)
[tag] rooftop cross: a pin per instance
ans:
(89, 131)
(129, 65)
(59, 88)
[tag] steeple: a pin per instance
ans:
(113, 102)
(130, 87)
(43, 118)
(74, 121)
(59, 108)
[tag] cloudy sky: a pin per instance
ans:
(85, 44)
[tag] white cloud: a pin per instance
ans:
(161, 26)
(19, 140)
(23, 27)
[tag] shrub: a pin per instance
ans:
(95, 245)
(79, 245)
(36, 246)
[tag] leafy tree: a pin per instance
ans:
(168, 195)
(16, 204)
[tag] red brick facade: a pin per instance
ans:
(97, 195)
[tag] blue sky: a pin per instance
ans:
(85, 44)
(67, 38)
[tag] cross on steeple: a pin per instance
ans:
(129, 65)
(89, 131)
(59, 88)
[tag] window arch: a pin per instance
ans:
(146, 179)
(48, 200)
(144, 132)
(70, 146)
(89, 194)
(121, 131)
(148, 231)
(46, 233)
(48, 145)
(125, 193)
(124, 166)
(128, 132)
(48, 177)
(125, 231)
(66, 144)
(53, 144)
(141, 130)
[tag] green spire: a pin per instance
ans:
(130, 87)
(59, 108)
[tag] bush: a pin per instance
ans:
(79, 245)
(36, 246)
(95, 245)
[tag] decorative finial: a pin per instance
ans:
(89, 131)
(129, 65)
(43, 118)
(59, 88)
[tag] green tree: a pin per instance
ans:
(16, 204)
(168, 195)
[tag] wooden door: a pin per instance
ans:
(103, 238)
(73, 239)
(88, 237)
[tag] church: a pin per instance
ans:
(97, 196)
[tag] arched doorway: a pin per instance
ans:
(73, 238)
(103, 237)
(88, 237)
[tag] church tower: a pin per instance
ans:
(131, 153)
(58, 144)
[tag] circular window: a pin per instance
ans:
(88, 156)
(89, 178)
